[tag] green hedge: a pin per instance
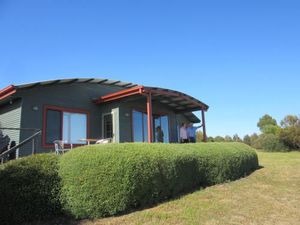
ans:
(103, 180)
(29, 189)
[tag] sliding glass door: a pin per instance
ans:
(71, 127)
(140, 126)
(161, 121)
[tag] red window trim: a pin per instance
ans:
(145, 112)
(62, 109)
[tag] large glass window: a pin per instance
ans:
(145, 125)
(74, 127)
(53, 127)
(165, 127)
(137, 125)
(140, 126)
(161, 121)
(67, 126)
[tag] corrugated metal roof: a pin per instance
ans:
(180, 102)
(177, 100)
(78, 80)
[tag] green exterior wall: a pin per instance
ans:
(72, 96)
(10, 117)
(27, 112)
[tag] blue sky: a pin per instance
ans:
(242, 58)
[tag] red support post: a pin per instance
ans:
(203, 126)
(149, 115)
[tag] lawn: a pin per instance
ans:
(270, 195)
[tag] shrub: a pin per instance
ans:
(290, 136)
(103, 180)
(269, 142)
(29, 189)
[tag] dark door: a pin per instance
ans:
(107, 126)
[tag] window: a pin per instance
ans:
(140, 126)
(53, 126)
(138, 131)
(74, 127)
(163, 122)
(108, 126)
(65, 124)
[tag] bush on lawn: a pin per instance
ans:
(269, 142)
(29, 189)
(103, 180)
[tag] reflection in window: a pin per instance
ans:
(53, 126)
(165, 127)
(137, 120)
(108, 126)
(163, 122)
(66, 126)
(74, 127)
(145, 119)
(140, 126)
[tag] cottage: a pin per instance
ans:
(77, 110)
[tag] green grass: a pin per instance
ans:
(270, 195)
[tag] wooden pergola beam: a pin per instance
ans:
(120, 94)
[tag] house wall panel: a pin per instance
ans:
(10, 117)
(71, 96)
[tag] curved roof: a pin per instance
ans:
(178, 101)
(77, 80)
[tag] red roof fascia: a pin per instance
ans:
(120, 94)
(8, 91)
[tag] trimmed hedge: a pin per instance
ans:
(103, 180)
(30, 189)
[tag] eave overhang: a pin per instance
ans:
(178, 101)
(8, 91)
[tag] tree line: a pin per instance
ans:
(283, 136)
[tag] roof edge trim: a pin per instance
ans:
(8, 91)
(120, 94)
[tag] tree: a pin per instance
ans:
(236, 138)
(199, 136)
(228, 138)
(266, 120)
(291, 137)
(247, 139)
(290, 133)
(271, 129)
(290, 121)
(219, 139)
(253, 138)
(269, 142)
(210, 139)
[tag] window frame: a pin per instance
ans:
(62, 110)
(160, 114)
(113, 125)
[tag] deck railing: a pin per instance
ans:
(32, 138)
